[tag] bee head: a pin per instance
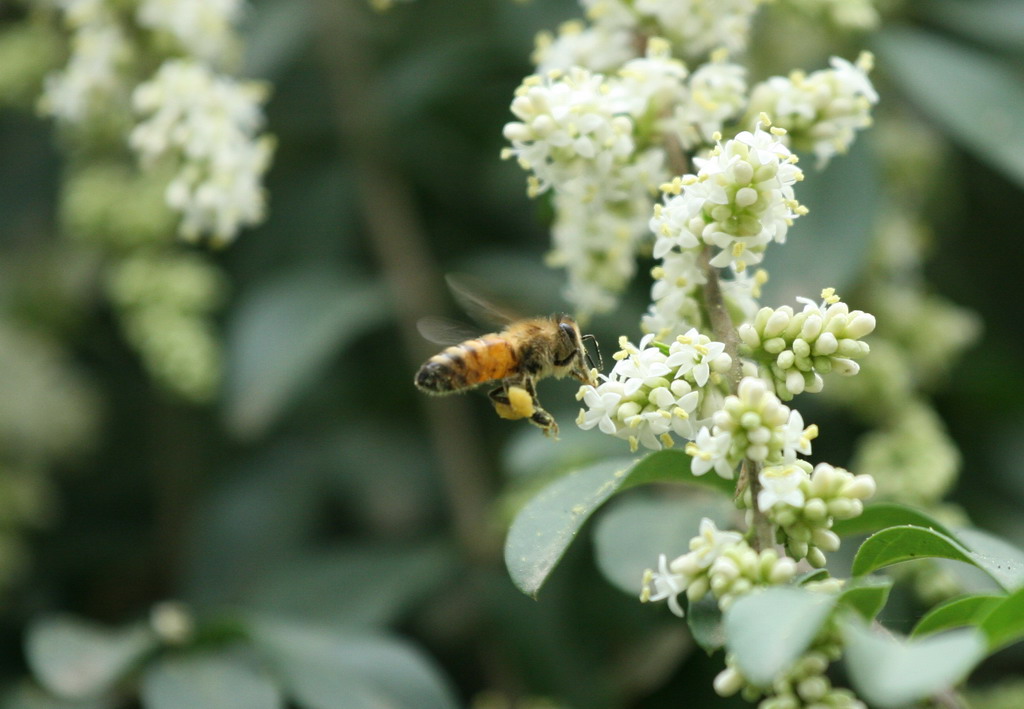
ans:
(572, 352)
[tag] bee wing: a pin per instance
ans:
(467, 293)
(443, 331)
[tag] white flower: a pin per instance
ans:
(823, 110)
(711, 451)
(569, 126)
(91, 76)
(598, 47)
(781, 484)
(204, 28)
(667, 585)
(797, 439)
(718, 92)
(652, 84)
(740, 200)
(698, 26)
(209, 124)
(711, 542)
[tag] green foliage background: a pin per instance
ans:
(320, 488)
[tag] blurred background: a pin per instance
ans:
(291, 471)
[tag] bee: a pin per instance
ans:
(524, 352)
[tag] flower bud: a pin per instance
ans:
(816, 558)
(728, 682)
(815, 510)
(861, 487)
(825, 539)
(860, 325)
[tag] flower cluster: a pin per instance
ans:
(655, 390)
(823, 110)
(804, 503)
(805, 683)
(793, 350)
(207, 124)
(696, 25)
(165, 302)
(751, 425)
(92, 76)
(740, 200)
(599, 47)
(203, 28)
(719, 562)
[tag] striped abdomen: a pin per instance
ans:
(467, 364)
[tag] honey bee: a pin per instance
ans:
(524, 352)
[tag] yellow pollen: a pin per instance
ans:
(666, 440)
(679, 412)
(634, 444)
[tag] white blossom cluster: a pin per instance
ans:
(751, 425)
(697, 26)
(208, 124)
(821, 111)
(804, 503)
(596, 142)
(92, 76)
(655, 391)
(740, 200)
(793, 350)
(720, 562)
(186, 115)
(203, 28)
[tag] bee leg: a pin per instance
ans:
(539, 417)
(545, 421)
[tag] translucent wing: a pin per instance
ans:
(443, 331)
(467, 292)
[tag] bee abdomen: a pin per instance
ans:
(466, 365)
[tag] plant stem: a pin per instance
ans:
(725, 332)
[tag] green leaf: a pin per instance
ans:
(887, 514)
(548, 523)
(367, 670)
(767, 630)
(629, 537)
(998, 23)
(705, 620)
(29, 696)
(887, 672)
(811, 576)
(896, 544)
(380, 583)
(210, 682)
(284, 333)
(976, 98)
(969, 610)
(1004, 623)
(996, 557)
(866, 595)
(76, 659)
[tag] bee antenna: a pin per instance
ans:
(600, 359)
